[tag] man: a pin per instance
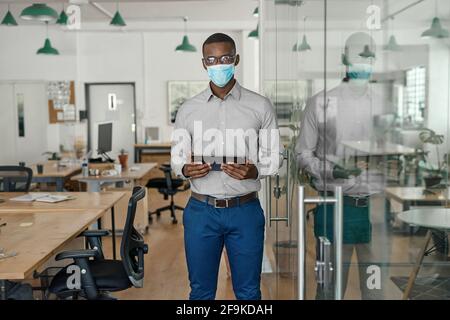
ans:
(224, 209)
(345, 113)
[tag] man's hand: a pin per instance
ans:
(240, 171)
(341, 173)
(194, 170)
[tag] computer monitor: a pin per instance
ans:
(104, 139)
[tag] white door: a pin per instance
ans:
(112, 103)
(7, 129)
(31, 139)
(23, 122)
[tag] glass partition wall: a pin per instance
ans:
(361, 90)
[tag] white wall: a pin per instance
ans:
(146, 58)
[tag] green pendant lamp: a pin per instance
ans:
(117, 20)
(185, 45)
(47, 49)
(304, 45)
(9, 20)
(436, 30)
(254, 33)
(62, 20)
(367, 53)
(256, 12)
(39, 12)
(392, 45)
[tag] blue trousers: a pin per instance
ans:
(207, 230)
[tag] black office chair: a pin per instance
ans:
(15, 178)
(168, 186)
(98, 275)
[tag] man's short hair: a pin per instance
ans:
(219, 37)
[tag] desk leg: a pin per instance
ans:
(60, 184)
(113, 232)
(137, 155)
(2, 289)
(417, 265)
(93, 186)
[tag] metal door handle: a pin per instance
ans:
(301, 247)
(277, 191)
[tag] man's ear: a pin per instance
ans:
(238, 58)
(204, 65)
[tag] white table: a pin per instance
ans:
(368, 148)
(432, 218)
(134, 172)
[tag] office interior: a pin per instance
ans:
(106, 80)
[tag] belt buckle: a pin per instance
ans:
(364, 201)
(217, 206)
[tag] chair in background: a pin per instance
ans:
(98, 275)
(15, 178)
(167, 186)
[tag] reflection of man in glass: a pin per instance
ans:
(344, 114)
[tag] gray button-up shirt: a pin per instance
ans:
(240, 109)
(345, 116)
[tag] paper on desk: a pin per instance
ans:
(29, 197)
(4, 255)
(54, 198)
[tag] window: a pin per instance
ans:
(414, 102)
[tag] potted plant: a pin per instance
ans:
(52, 155)
(123, 158)
(435, 174)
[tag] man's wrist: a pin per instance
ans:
(183, 173)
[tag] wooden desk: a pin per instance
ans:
(367, 148)
(408, 196)
(54, 173)
(83, 201)
(431, 218)
(94, 183)
(36, 243)
(152, 150)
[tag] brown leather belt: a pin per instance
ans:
(225, 203)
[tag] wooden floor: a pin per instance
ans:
(166, 272)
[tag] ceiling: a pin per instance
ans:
(145, 10)
(241, 10)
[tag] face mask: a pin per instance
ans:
(221, 74)
(361, 71)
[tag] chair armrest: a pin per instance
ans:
(165, 168)
(76, 254)
(94, 233)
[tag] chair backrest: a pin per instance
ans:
(15, 178)
(168, 175)
(133, 248)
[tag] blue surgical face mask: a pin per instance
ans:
(221, 74)
(361, 71)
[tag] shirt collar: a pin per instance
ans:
(235, 92)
